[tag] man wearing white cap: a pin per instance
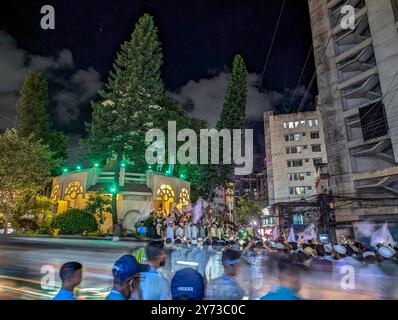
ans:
(371, 280)
(390, 269)
(328, 252)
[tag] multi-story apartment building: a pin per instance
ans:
(294, 146)
(357, 74)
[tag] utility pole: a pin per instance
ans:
(327, 217)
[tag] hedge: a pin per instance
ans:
(75, 221)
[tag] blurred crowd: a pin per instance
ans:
(213, 269)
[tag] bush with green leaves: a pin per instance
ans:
(75, 221)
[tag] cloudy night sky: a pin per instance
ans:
(199, 38)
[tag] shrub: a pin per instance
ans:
(75, 221)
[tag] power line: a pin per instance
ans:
(300, 78)
(272, 45)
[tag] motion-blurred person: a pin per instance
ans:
(256, 259)
(170, 231)
(178, 254)
(71, 276)
(226, 287)
(153, 284)
(371, 280)
(180, 231)
(289, 282)
(214, 268)
(187, 284)
(126, 278)
(390, 269)
(152, 232)
(194, 231)
(319, 263)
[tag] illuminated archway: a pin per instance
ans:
(72, 192)
(55, 194)
(166, 197)
(184, 197)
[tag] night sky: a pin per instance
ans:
(199, 39)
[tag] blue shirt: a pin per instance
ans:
(281, 293)
(64, 295)
(115, 295)
(224, 288)
(154, 286)
(142, 231)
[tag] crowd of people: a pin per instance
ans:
(214, 269)
(185, 228)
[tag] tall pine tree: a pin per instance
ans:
(129, 104)
(33, 117)
(232, 117)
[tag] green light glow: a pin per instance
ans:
(65, 170)
(78, 167)
(96, 165)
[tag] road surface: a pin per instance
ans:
(27, 263)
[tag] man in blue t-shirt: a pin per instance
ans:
(142, 230)
(289, 282)
(71, 277)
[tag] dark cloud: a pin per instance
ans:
(74, 87)
(204, 98)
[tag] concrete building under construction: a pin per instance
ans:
(357, 74)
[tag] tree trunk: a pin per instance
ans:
(116, 177)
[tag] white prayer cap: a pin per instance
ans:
(368, 254)
(328, 248)
(340, 249)
(309, 251)
(194, 241)
(386, 253)
(279, 246)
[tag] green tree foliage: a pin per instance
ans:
(74, 222)
(171, 110)
(33, 212)
(129, 104)
(232, 117)
(33, 117)
(25, 168)
(98, 204)
(247, 210)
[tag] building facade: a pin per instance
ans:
(294, 146)
(357, 74)
(138, 193)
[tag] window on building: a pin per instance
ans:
(294, 150)
(313, 123)
(299, 191)
(308, 174)
(302, 122)
(296, 176)
(305, 147)
(292, 137)
(285, 125)
(298, 218)
(373, 121)
(316, 148)
(294, 163)
(294, 124)
(315, 135)
(317, 161)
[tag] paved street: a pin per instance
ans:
(22, 260)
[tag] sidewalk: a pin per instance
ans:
(79, 237)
